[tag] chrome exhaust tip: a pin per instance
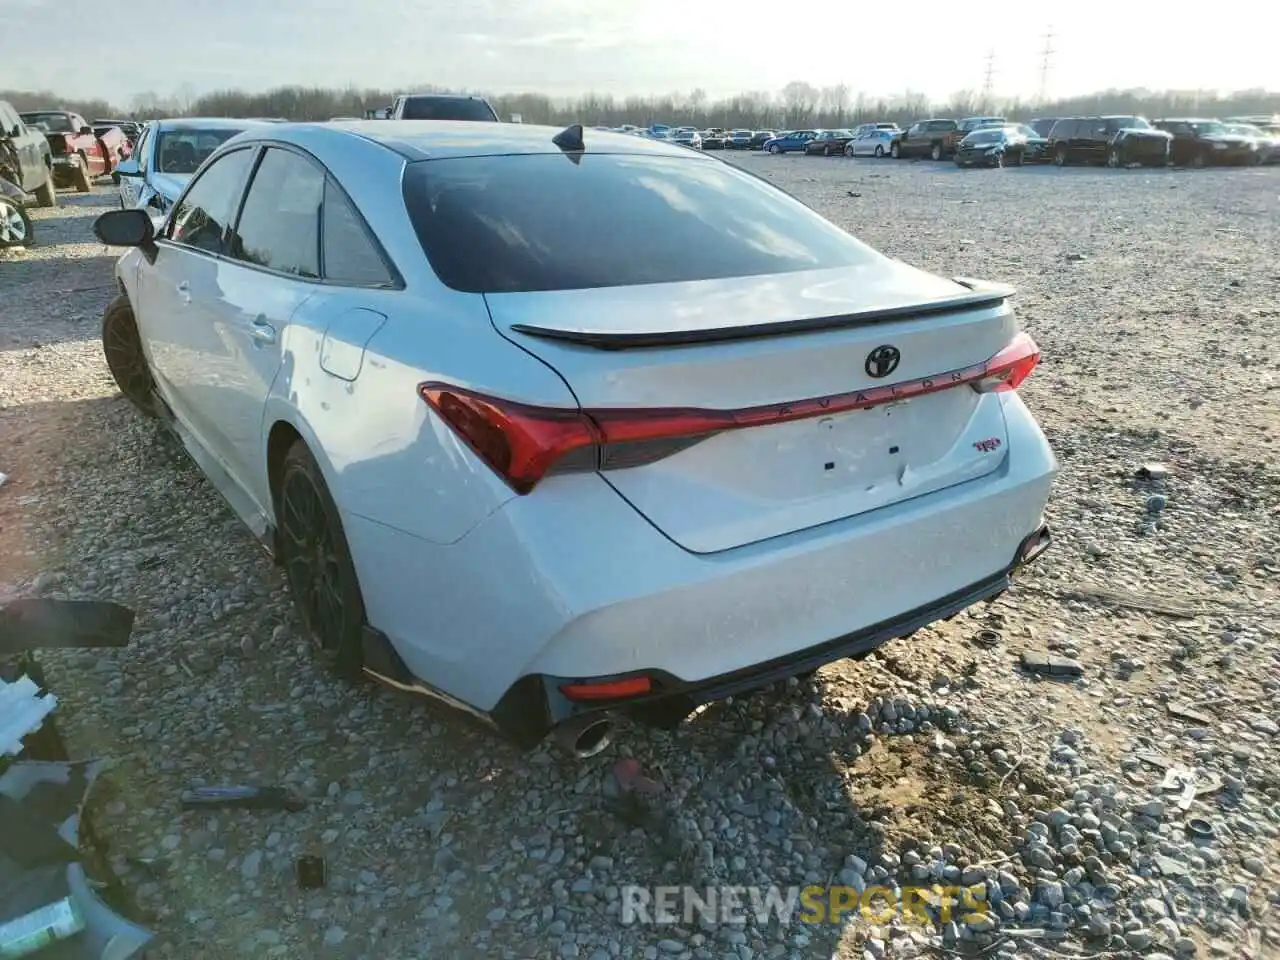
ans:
(1034, 546)
(584, 737)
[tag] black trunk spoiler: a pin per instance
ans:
(981, 294)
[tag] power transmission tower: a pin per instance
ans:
(988, 80)
(1046, 62)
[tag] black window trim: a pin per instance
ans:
(260, 147)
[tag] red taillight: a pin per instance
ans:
(607, 690)
(1008, 368)
(520, 442)
(524, 443)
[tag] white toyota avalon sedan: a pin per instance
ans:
(554, 425)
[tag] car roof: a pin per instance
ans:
(441, 139)
(209, 123)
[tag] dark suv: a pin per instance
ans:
(1115, 141)
(1202, 142)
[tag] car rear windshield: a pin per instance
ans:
(182, 151)
(446, 108)
(49, 122)
(984, 136)
(509, 224)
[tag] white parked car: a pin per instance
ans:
(871, 140)
(167, 153)
(550, 439)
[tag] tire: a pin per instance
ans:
(879, 152)
(81, 176)
(122, 347)
(1060, 156)
(774, 149)
(936, 152)
(998, 160)
(848, 149)
(16, 229)
(1113, 157)
(317, 563)
(895, 151)
(46, 194)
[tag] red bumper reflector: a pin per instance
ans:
(608, 690)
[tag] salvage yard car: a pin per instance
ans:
(996, 147)
(168, 153)
(668, 436)
(1115, 141)
(26, 160)
(1201, 143)
(78, 156)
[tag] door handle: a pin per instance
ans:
(262, 332)
(184, 291)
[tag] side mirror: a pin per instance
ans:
(16, 131)
(125, 228)
(86, 131)
(129, 168)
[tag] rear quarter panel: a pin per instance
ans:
(385, 455)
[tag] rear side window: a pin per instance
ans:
(545, 222)
(279, 227)
(350, 255)
(446, 108)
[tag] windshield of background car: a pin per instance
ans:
(182, 151)
(1023, 130)
(511, 224)
(49, 122)
(1209, 129)
(1245, 130)
(434, 108)
(984, 136)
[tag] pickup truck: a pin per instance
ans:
(25, 158)
(78, 156)
(441, 106)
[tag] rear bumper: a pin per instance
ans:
(572, 583)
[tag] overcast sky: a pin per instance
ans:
(565, 47)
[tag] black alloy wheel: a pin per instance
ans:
(122, 347)
(317, 563)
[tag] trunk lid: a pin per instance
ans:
(774, 340)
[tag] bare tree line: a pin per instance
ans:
(798, 104)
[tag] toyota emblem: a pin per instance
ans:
(882, 361)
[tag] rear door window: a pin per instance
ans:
(279, 227)
(550, 222)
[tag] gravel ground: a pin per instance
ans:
(1155, 298)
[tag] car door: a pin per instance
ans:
(179, 295)
(1093, 143)
(272, 267)
(29, 143)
